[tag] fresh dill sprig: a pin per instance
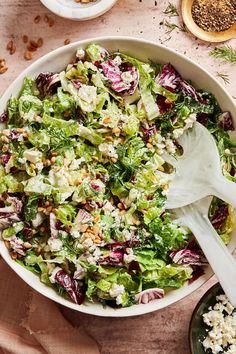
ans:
(171, 10)
(172, 26)
(224, 77)
(226, 53)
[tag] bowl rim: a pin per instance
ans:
(77, 13)
(123, 312)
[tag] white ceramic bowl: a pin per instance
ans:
(77, 11)
(144, 50)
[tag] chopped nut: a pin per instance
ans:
(95, 158)
(27, 245)
(5, 139)
(109, 138)
(106, 120)
(149, 146)
(161, 168)
(28, 55)
(5, 148)
(20, 130)
(116, 131)
(32, 165)
(42, 229)
(13, 255)
(121, 206)
(25, 38)
(40, 42)
(54, 153)
(47, 203)
(47, 163)
(53, 160)
(66, 41)
(113, 159)
(37, 19)
(83, 227)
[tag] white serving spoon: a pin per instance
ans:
(198, 171)
(195, 217)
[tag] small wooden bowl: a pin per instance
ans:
(186, 9)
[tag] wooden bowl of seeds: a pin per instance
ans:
(210, 20)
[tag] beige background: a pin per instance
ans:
(162, 332)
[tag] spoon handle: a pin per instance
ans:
(217, 254)
(225, 190)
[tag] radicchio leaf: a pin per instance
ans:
(7, 219)
(134, 266)
(148, 132)
(189, 90)
(17, 245)
(202, 118)
(163, 104)
(124, 77)
(226, 121)
(218, 219)
(46, 82)
(5, 158)
(148, 295)
(197, 273)
(3, 117)
(72, 287)
(188, 257)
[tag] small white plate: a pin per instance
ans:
(78, 11)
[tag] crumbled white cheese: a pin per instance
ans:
(108, 208)
(222, 335)
(108, 150)
(116, 290)
(117, 60)
(127, 77)
(80, 53)
(88, 93)
(33, 156)
(127, 234)
(178, 132)
(79, 273)
(170, 146)
(130, 256)
(22, 160)
(55, 244)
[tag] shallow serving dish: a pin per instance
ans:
(222, 36)
(197, 328)
(76, 11)
(144, 50)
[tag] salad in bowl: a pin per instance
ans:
(84, 178)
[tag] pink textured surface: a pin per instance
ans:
(165, 331)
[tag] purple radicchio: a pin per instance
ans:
(148, 131)
(188, 257)
(9, 212)
(148, 295)
(75, 291)
(219, 217)
(3, 117)
(163, 104)
(47, 82)
(5, 158)
(226, 121)
(17, 245)
(203, 118)
(123, 77)
(171, 80)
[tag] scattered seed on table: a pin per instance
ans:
(28, 55)
(25, 38)
(40, 42)
(37, 19)
(66, 41)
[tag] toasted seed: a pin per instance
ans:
(13, 49)
(2, 63)
(3, 70)
(46, 18)
(28, 55)
(40, 42)
(109, 138)
(51, 22)
(149, 146)
(9, 45)
(53, 160)
(66, 41)
(95, 158)
(121, 206)
(31, 49)
(25, 38)
(20, 130)
(37, 19)
(42, 229)
(113, 159)
(54, 153)
(33, 43)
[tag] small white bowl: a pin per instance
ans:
(144, 50)
(78, 11)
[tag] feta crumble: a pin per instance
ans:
(221, 338)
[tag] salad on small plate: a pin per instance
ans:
(84, 180)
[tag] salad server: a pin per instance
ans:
(191, 181)
(195, 217)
